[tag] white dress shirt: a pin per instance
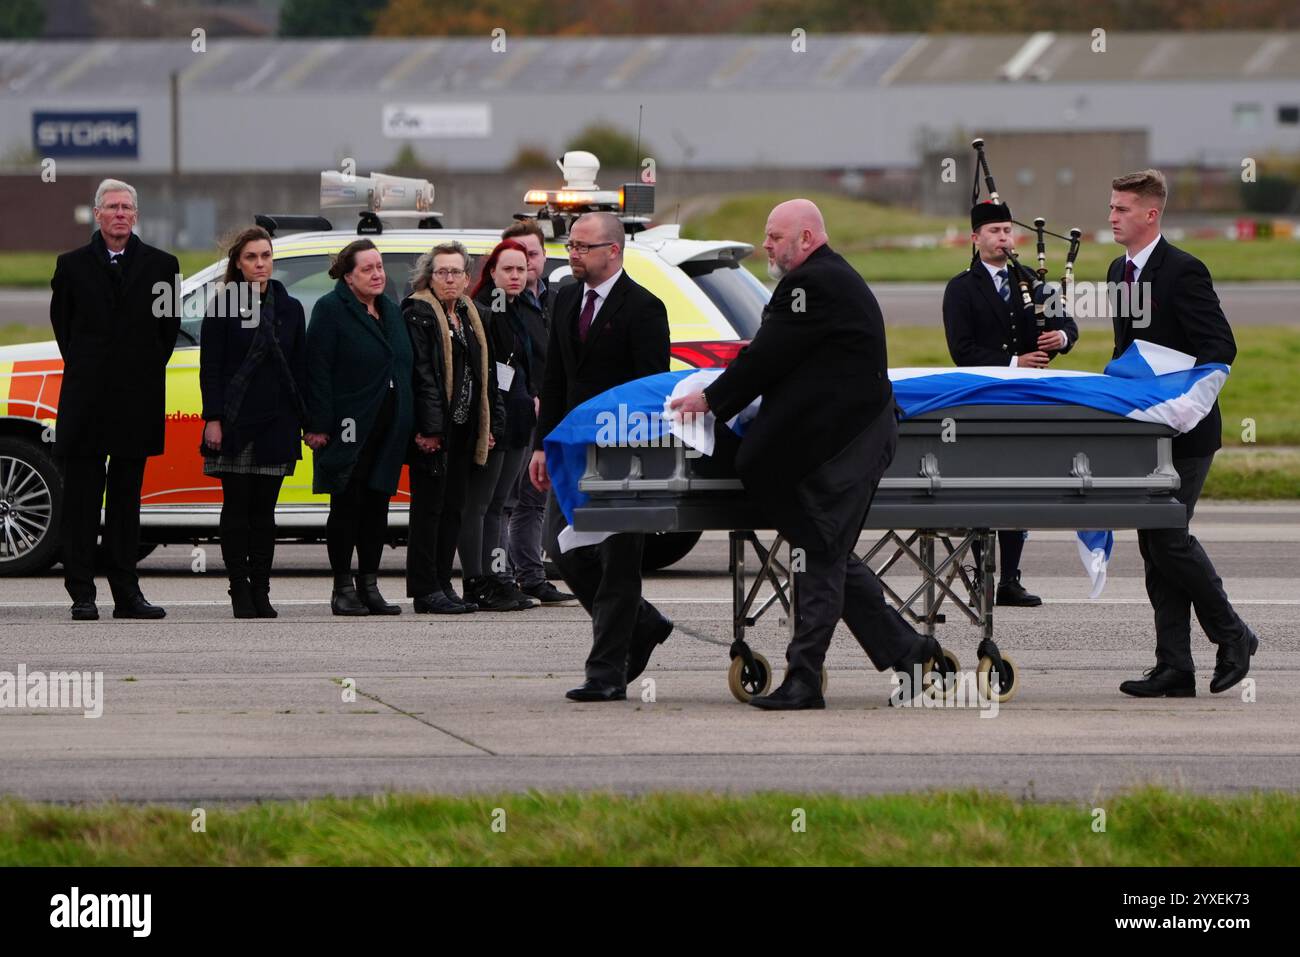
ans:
(602, 293)
(998, 282)
(1140, 260)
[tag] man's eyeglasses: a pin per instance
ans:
(445, 274)
(583, 248)
(119, 208)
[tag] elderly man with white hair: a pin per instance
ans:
(111, 417)
(824, 435)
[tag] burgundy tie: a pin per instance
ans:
(1130, 273)
(588, 313)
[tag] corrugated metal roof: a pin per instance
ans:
(652, 63)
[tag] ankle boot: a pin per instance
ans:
(368, 592)
(344, 601)
(260, 587)
(241, 598)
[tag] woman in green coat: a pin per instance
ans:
(359, 419)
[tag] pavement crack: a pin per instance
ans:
(415, 717)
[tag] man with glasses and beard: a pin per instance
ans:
(605, 330)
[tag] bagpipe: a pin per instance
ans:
(1030, 282)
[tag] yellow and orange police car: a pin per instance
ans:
(714, 306)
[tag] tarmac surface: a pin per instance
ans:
(202, 708)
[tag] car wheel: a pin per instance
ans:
(31, 498)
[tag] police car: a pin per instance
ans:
(714, 307)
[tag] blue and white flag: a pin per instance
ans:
(1149, 383)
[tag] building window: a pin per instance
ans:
(1288, 115)
(1246, 116)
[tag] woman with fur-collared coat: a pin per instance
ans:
(458, 418)
(358, 419)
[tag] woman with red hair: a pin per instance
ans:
(514, 338)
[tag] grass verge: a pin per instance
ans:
(1148, 827)
(857, 228)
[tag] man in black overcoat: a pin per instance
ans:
(114, 316)
(823, 437)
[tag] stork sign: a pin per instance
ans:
(86, 135)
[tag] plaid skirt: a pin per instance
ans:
(243, 464)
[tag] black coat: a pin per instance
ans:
(1185, 315)
(351, 359)
(823, 373)
(429, 337)
(115, 348)
(627, 340)
(520, 351)
(983, 330)
(268, 416)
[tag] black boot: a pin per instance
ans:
(344, 601)
(260, 588)
(1011, 592)
(368, 591)
(241, 598)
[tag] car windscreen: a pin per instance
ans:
(739, 296)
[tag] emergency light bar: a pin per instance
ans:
(632, 202)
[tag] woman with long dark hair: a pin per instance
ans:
(253, 376)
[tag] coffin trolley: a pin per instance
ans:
(958, 476)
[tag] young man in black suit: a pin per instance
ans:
(1181, 312)
(605, 330)
(987, 324)
(115, 347)
(824, 435)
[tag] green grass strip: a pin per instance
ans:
(1147, 827)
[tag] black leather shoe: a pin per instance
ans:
(597, 691)
(137, 607)
(1232, 663)
(638, 656)
(1162, 681)
(912, 664)
(368, 592)
(795, 694)
(437, 603)
(85, 611)
(1012, 593)
(548, 594)
(451, 594)
(344, 600)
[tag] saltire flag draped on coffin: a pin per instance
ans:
(1149, 383)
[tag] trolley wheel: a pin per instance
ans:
(948, 671)
(745, 682)
(1008, 679)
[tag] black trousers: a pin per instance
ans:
(835, 585)
(1011, 545)
(85, 479)
(358, 518)
(248, 525)
(1180, 577)
(606, 579)
(436, 505)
